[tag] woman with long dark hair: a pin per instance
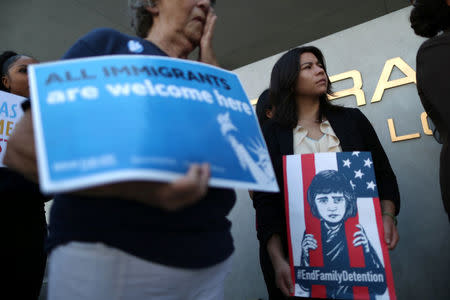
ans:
(431, 19)
(23, 203)
(305, 122)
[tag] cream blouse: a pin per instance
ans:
(329, 142)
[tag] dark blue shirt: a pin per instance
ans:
(195, 237)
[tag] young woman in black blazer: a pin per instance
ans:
(298, 90)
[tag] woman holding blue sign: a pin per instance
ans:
(141, 240)
(305, 122)
(23, 201)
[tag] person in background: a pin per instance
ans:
(140, 240)
(431, 19)
(23, 203)
(305, 122)
(264, 109)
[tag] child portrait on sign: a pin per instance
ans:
(333, 201)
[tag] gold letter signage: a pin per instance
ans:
(384, 83)
(355, 90)
(425, 125)
(395, 138)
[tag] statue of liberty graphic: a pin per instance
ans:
(261, 168)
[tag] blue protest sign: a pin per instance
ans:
(114, 118)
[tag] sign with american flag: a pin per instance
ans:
(334, 226)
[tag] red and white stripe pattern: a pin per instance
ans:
(299, 170)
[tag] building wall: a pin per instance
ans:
(45, 29)
(421, 260)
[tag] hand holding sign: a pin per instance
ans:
(173, 196)
(186, 190)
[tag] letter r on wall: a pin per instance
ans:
(355, 90)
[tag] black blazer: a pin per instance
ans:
(433, 73)
(355, 133)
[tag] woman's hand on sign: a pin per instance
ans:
(187, 190)
(206, 52)
(360, 239)
(183, 192)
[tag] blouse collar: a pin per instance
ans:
(300, 133)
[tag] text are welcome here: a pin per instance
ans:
(147, 89)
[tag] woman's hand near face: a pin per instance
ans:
(206, 52)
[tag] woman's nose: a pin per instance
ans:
(204, 4)
(320, 70)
